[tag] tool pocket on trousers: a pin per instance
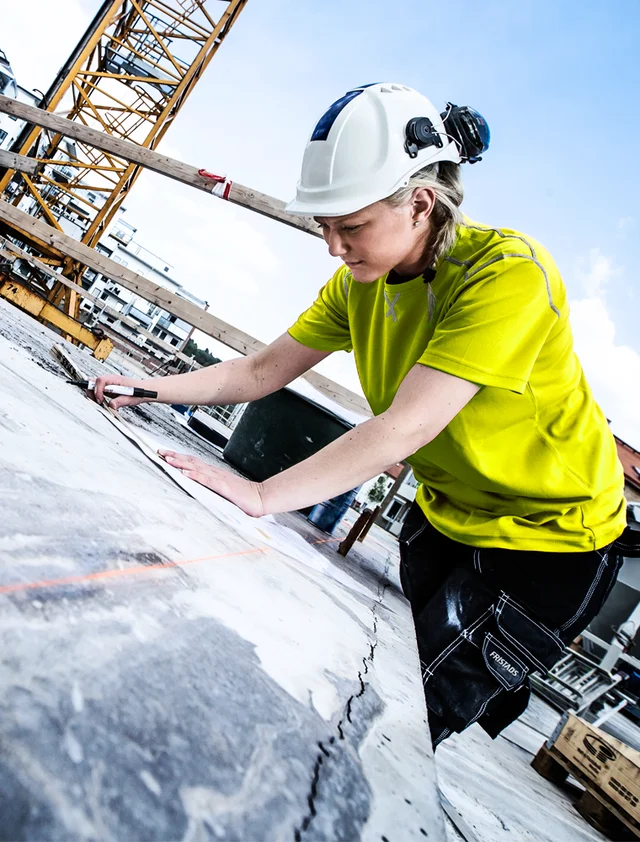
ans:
(474, 644)
(503, 663)
(532, 640)
(450, 631)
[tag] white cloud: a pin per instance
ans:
(596, 271)
(38, 36)
(613, 370)
(626, 224)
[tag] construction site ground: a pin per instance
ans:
(172, 669)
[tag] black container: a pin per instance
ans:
(278, 431)
(207, 432)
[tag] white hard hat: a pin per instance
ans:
(366, 146)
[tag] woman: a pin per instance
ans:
(464, 351)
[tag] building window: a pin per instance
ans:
(92, 197)
(3, 135)
(393, 509)
(174, 340)
(104, 294)
(223, 413)
(123, 232)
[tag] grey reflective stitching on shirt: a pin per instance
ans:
(457, 262)
(505, 236)
(345, 284)
(523, 257)
(431, 303)
(391, 304)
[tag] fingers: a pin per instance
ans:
(183, 461)
(107, 380)
(118, 403)
(239, 491)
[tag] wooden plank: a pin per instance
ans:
(13, 161)
(196, 177)
(611, 768)
(201, 319)
(597, 793)
(10, 251)
(602, 818)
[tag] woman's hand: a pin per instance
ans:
(117, 380)
(242, 492)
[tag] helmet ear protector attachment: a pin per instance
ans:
(464, 125)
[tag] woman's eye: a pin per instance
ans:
(350, 228)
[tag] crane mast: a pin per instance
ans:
(128, 76)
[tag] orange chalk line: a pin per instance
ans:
(132, 571)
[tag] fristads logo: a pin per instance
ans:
(504, 663)
(601, 750)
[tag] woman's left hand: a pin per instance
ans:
(245, 494)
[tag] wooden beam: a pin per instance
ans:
(22, 297)
(13, 161)
(201, 319)
(196, 177)
(12, 251)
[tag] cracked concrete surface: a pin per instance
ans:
(173, 670)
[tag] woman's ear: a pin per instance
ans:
(423, 202)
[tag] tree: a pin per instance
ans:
(200, 355)
(378, 490)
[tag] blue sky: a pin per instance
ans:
(557, 83)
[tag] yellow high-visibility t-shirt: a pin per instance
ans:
(529, 463)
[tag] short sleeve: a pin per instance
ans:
(325, 325)
(494, 330)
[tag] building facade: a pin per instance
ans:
(74, 214)
(630, 459)
(120, 245)
(10, 127)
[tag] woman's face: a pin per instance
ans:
(379, 238)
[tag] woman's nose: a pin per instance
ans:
(336, 245)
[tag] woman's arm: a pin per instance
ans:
(425, 403)
(235, 381)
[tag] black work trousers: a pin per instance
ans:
(555, 595)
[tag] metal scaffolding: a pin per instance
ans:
(128, 77)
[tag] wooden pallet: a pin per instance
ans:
(607, 768)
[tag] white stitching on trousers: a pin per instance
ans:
(464, 635)
(507, 600)
(604, 558)
(419, 532)
(484, 705)
(441, 736)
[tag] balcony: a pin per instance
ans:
(139, 316)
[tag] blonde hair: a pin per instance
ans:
(446, 182)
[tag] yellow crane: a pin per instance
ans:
(128, 76)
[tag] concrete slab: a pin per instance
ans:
(172, 670)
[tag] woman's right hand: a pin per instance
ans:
(118, 401)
